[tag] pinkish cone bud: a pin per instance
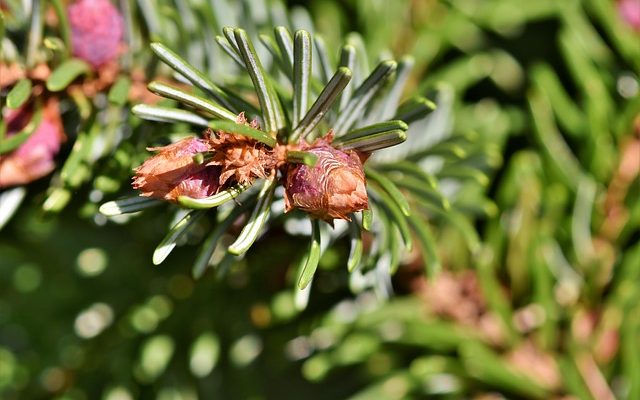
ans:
(173, 172)
(96, 31)
(35, 157)
(629, 10)
(333, 188)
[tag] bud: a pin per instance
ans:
(35, 157)
(333, 188)
(629, 10)
(241, 158)
(173, 172)
(96, 31)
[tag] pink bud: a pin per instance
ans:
(173, 172)
(35, 157)
(333, 188)
(629, 10)
(96, 31)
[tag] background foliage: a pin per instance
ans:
(538, 295)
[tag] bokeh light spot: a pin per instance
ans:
(260, 315)
(93, 320)
(204, 354)
(245, 350)
(92, 262)
(27, 278)
(53, 379)
(144, 319)
(156, 354)
(118, 393)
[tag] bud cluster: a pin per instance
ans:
(332, 188)
(96, 31)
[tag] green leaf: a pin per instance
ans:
(487, 367)
(322, 104)
(313, 256)
(581, 220)
(396, 216)
(624, 39)
(367, 219)
(361, 68)
(372, 142)
(445, 148)
(19, 94)
(393, 248)
(356, 248)
(392, 98)
(57, 199)
(413, 170)
(197, 102)
(169, 242)
(415, 109)
(567, 112)
(66, 73)
(224, 44)
(323, 57)
(464, 172)
(463, 225)
(127, 205)
(77, 167)
(213, 201)
(628, 347)
(271, 108)
(192, 74)
(13, 142)
(259, 216)
(428, 246)
(63, 24)
(301, 297)
(347, 60)
(301, 75)
(82, 103)
(555, 147)
(272, 47)
(302, 157)
(229, 33)
(285, 44)
(392, 190)
(361, 97)
(35, 33)
(168, 114)
(404, 385)
(210, 243)
(119, 92)
(424, 193)
(574, 381)
(372, 130)
(244, 130)
(151, 16)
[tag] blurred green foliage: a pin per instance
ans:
(538, 297)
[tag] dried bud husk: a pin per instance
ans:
(35, 157)
(173, 172)
(241, 158)
(96, 31)
(333, 188)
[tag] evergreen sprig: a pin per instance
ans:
(293, 116)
